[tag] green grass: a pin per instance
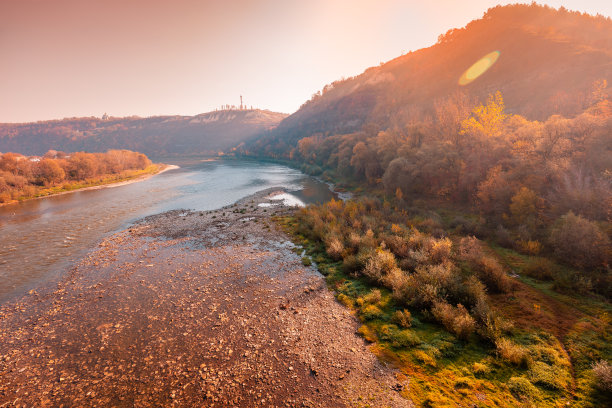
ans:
(445, 371)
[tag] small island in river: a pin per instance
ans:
(27, 177)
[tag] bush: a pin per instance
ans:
(371, 312)
(470, 249)
(522, 388)
(530, 247)
(351, 264)
(491, 273)
(603, 375)
(335, 248)
(402, 318)
(580, 242)
(379, 264)
(404, 338)
(439, 250)
(398, 281)
(397, 245)
(306, 261)
(480, 369)
(540, 268)
(513, 353)
(345, 300)
(373, 297)
(455, 319)
(426, 286)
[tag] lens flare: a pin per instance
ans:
(480, 67)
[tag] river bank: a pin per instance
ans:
(191, 309)
(140, 175)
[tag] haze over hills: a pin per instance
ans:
(548, 62)
(207, 133)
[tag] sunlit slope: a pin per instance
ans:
(206, 133)
(547, 62)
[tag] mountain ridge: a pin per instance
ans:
(205, 133)
(549, 60)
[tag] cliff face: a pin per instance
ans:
(206, 133)
(548, 62)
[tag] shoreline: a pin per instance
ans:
(192, 308)
(142, 177)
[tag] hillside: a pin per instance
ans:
(549, 60)
(159, 135)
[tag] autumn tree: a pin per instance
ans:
(48, 171)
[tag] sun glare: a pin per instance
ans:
(480, 67)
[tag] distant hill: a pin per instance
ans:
(206, 133)
(549, 60)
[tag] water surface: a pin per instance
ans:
(40, 239)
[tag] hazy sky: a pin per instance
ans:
(64, 58)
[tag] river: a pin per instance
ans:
(40, 239)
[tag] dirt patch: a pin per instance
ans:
(191, 309)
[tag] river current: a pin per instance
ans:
(40, 239)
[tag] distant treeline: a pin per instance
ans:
(536, 186)
(154, 136)
(25, 177)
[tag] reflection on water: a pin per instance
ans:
(39, 239)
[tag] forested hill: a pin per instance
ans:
(207, 133)
(548, 61)
(524, 147)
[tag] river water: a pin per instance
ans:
(40, 239)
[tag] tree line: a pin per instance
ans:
(535, 186)
(23, 176)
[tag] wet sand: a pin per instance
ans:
(197, 309)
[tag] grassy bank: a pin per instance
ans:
(531, 346)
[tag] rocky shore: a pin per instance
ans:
(190, 308)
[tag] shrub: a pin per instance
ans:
(335, 248)
(513, 353)
(491, 273)
(480, 369)
(379, 264)
(351, 264)
(367, 333)
(427, 285)
(402, 318)
(371, 312)
(470, 292)
(455, 319)
(540, 268)
(404, 338)
(530, 247)
(439, 249)
(580, 241)
(345, 300)
(398, 281)
(354, 240)
(491, 326)
(470, 249)
(522, 388)
(397, 245)
(306, 261)
(373, 297)
(603, 375)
